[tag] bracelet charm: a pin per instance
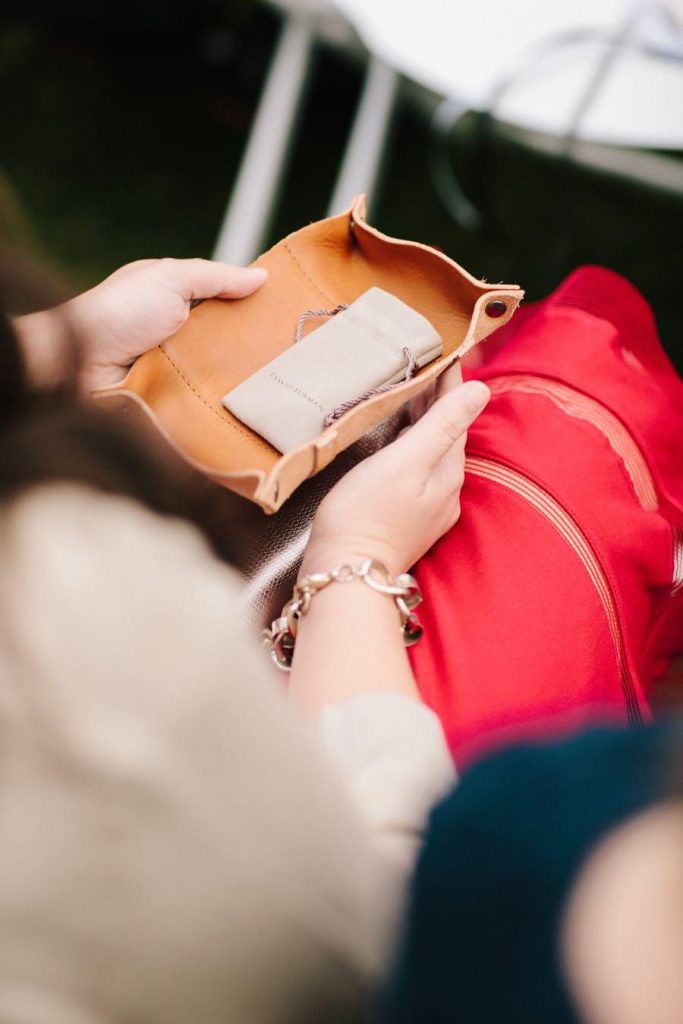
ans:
(280, 639)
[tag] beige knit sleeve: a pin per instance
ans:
(391, 755)
(164, 809)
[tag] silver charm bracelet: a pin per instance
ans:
(281, 637)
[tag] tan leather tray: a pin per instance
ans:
(179, 385)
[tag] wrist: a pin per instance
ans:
(323, 555)
(94, 324)
(337, 601)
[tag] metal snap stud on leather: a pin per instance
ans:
(496, 308)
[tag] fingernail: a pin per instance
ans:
(476, 396)
(258, 273)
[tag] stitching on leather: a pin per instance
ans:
(230, 424)
(307, 275)
(226, 422)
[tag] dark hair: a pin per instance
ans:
(54, 435)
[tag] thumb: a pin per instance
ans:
(210, 279)
(434, 435)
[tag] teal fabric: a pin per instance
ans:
(481, 945)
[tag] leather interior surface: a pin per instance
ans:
(180, 384)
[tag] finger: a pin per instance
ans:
(419, 405)
(452, 464)
(209, 279)
(449, 380)
(444, 424)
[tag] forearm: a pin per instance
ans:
(42, 339)
(348, 644)
(352, 675)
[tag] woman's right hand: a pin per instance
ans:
(396, 504)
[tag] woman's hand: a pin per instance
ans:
(391, 507)
(396, 504)
(132, 311)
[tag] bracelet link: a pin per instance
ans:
(280, 639)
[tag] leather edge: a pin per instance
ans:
(248, 483)
(357, 215)
(271, 490)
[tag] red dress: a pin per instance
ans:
(558, 596)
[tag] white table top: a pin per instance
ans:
(463, 48)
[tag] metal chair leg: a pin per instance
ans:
(265, 159)
(363, 158)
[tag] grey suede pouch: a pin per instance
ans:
(369, 345)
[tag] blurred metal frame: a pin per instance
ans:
(265, 158)
(264, 164)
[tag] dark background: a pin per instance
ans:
(121, 133)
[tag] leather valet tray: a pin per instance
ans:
(180, 384)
